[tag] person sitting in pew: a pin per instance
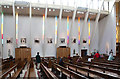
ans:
(38, 60)
(61, 61)
(69, 57)
(10, 57)
(110, 58)
(77, 54)
(97, 55)
(79, 59)
(93, 53)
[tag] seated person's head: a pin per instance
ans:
(111, 49)
(97, 51)
(37, 53)
(77, 54)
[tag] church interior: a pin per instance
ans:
(60, 39)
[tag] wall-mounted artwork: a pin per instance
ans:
(62, 40)
(49, 40)
(84, 41)
(73, 40)
(23, 40)
(36, 40)
(9, 40)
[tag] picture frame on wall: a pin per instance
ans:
(37, 40)
(23, 40)
(62, 40)
(49, 40)
(9, 40)
(73, 40)
(84, 40)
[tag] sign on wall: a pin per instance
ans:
(23, 40)
(9, 40)
(37, 40)
(49, 40)
(62, 40)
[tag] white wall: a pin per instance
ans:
(49, 49)
(62, 31)
(24, 29)
(8, 32)
(107, 33)
(94, 36)
(36, 32)
(31, 28)
(74, 34)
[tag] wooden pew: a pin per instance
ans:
(105, 65)
(105, 60)
(50, 57)
(20, 67)
(99, 67)
(9, 71)
(3, 61)
(17, 68)
(90, 65)
(88, 71)
(110, 62)
(47, 72)
(6, 66)
(47, 63)
(67, 72)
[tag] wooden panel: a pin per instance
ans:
(63, 52)
(23, 53)
(118, 50)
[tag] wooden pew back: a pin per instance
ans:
(47, 72)
(67, 72)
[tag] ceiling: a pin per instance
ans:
(22, 10)
(66, 13)
(7, 9)
(37, 11)
(51, 12)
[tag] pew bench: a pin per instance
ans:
(67, 72)
(8, 72)
(111, 62)
(99, 67)
(47, 72)
(88, 71)
(19, 70)
(105, 65)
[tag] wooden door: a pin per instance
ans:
(84, 52)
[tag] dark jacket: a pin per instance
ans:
(61, 62)
(38, 59)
